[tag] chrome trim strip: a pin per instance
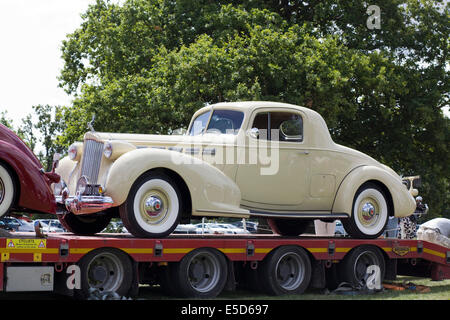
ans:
(85, 204)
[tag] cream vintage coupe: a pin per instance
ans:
(240, 159)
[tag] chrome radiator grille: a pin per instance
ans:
(92, 158)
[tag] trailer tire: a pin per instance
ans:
(202, 273)
(286, 270)
(353, 267)
(107, 270)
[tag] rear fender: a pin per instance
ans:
(402, 201)
(34, 187)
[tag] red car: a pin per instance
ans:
(24, 185)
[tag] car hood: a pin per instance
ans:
(163, 140)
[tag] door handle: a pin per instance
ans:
(304, 152)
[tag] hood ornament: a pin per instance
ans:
(91, 123)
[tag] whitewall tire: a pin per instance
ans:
(153, 206)
(7, 191)
(370, 212)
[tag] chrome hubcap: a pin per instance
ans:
(368, 212)
(153, 206)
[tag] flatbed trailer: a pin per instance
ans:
(196, 266)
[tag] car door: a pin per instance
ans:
(280, 177)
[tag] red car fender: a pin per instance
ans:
(35, 191)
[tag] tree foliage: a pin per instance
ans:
(146, 65)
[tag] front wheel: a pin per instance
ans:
(85, 224)
(7, 190)
(153, 207)
(370, 213)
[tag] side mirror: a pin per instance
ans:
(253, 133)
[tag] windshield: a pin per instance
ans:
(199, 124)
(222, 122)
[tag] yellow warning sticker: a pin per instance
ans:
(26, 243)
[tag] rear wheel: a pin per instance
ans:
(286, 270)
(107, 270)
(153, 207)
(370, 213)
(288, 227)
(7, 190)
(85, 224)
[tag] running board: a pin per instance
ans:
(277, 214)
(295, 214)
(298, 215)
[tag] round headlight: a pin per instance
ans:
(107, 150)
(73, 150)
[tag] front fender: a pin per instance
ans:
(35, 193)
(403, 203)
(212, 192)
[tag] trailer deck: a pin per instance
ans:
(197, 253)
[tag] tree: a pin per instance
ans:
(146, 66)
(5, 120)
(50, 125)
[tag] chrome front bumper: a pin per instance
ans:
(85, 204)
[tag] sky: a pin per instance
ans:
(31, 34)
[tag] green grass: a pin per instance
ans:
(440, 290)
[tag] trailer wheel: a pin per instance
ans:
(370, 213)
(85, 224)
(288, 227)
(286, 270)
(153, 207)
(353, 269)
(7, 190)
(200, 274)
(106, 270)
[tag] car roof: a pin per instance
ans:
(250, 105)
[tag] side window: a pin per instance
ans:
(289, 126)
(284, 126)
(261, 122)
